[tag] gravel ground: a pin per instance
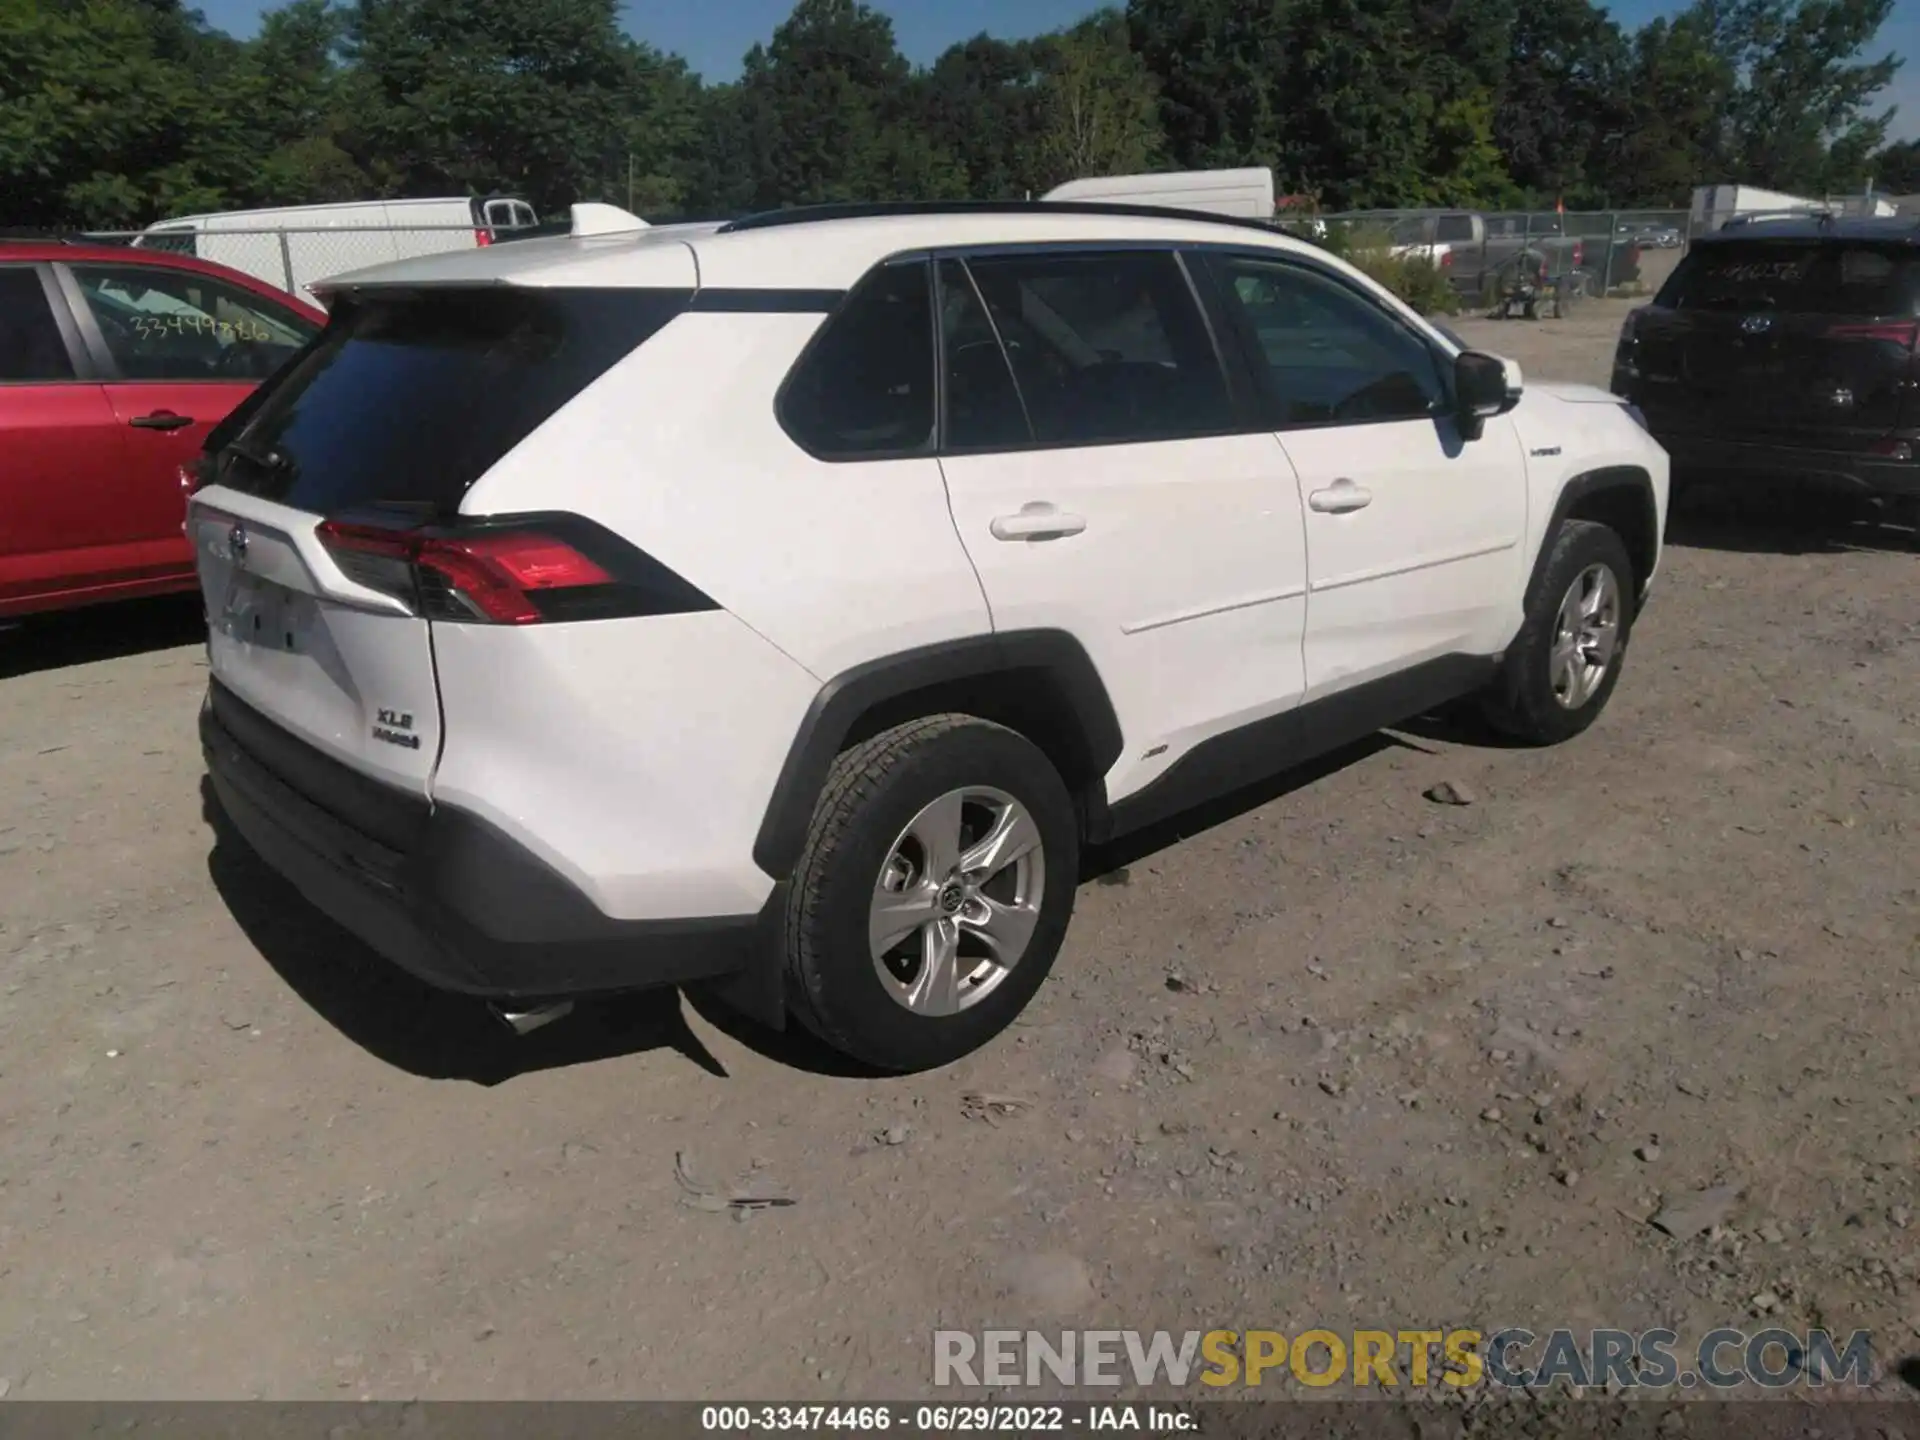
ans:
(1330, 1055)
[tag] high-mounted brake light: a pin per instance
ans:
(517, 574)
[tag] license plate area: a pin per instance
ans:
(261, 614)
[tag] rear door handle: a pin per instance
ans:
(161, 420)
(1036, 522)
(1340, 497)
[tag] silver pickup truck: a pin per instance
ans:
(1487, 256)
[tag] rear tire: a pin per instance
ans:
(932, 894)
(1561, 668)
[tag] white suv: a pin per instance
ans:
(786, 605)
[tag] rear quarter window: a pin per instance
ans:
(407, 399)
(1816, 277)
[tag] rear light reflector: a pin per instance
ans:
(1895, 332)
(512, 574)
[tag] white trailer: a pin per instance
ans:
(296, 246)
(1245, 193)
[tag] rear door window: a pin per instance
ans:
(1106, 347)
(31, 346)
(1810, 277)
(407, 399)
(180, 325)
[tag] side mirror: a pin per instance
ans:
(1483, 386)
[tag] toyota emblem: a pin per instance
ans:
(1756, 324)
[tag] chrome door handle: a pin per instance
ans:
(1036, 522)
(1340, 497)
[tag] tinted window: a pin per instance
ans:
(1329, 356)
(176, 325)
(865, 386)
(30, 343)
(408, 399)
(1798, 276)
(983, 405)
(1452, 229)
(1107, 347)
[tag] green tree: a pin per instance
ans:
(1671, 138)
(1220, 67)
(107, 113)
(1099, 114)
(471, 96)
(982, 102)
(1562, 98)
(1800, 118)
(1464, 161)
(1896, 169)
(826, 113)
(1359, 125)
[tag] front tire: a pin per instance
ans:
(1561, 669)
(932, 894)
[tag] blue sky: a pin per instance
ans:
(714, 34)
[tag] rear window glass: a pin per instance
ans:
(406, 399)
(1814, 277)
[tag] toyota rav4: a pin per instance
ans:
(786, 605)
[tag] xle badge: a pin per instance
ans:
(395, 727)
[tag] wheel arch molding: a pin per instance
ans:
(1041, 683)
(1619, 496)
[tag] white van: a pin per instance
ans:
(1246, 193)
(296, 246)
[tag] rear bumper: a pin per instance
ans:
(1865, 474)
(441, 893)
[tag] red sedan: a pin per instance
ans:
(114, 365)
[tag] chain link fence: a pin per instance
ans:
(294, 260)
(1502, 260)
(1491, 260)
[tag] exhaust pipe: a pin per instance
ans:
(525, 1022)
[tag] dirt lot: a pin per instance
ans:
(1338, 1056)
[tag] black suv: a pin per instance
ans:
(1787, 348)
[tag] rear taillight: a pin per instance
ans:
(510, 574)
(483, 237)
(1579, 254)
(1895, 332)
(1446, 259)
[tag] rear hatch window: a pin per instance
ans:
(408, 398)
(1803, 277)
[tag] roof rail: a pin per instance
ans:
(808, 214)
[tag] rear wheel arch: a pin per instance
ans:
(1621, 498)
(1039, 683)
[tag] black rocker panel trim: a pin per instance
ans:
(1228, 762)
(1053, 656)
